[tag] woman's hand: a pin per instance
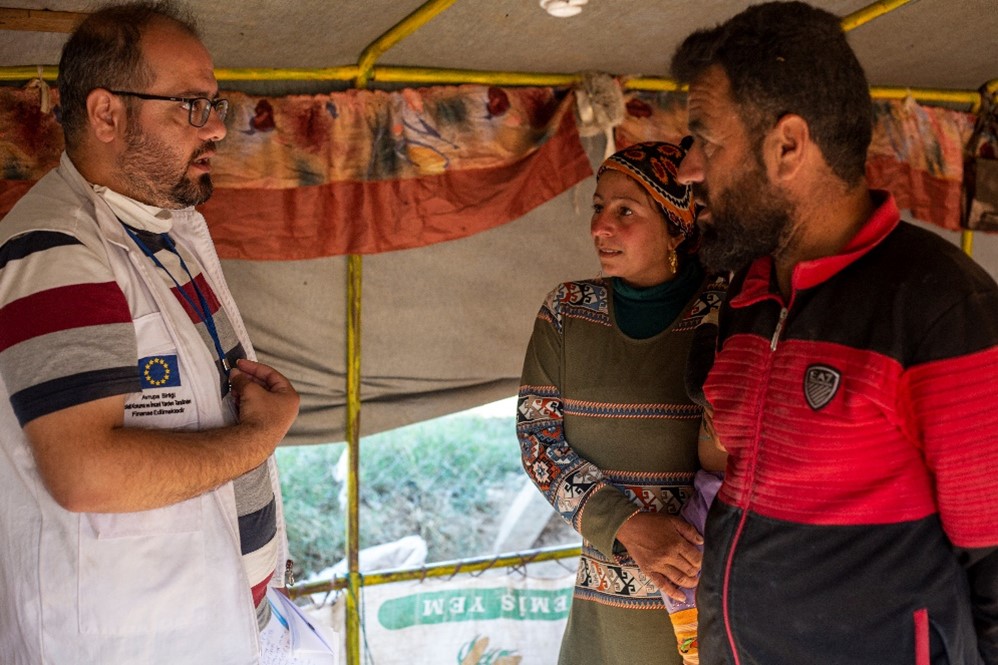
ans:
(665, 547)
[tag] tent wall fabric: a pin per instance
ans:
(444, 327)
(445, 324)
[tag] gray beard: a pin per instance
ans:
(147, 167)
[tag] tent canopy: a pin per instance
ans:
(947, 44)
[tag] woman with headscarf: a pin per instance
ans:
(607, 429)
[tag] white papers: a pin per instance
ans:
(291, 639)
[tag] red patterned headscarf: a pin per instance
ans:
(654, 165)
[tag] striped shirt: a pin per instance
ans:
(67, 337)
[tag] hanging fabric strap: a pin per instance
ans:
(203, 312)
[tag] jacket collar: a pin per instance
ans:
(759, 283)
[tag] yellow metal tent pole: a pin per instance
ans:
(423, 76)
(426, 12)
(365, 65)
(444, 569)
(927, 95)
(354, 268)
(345, 73)
(967, 241)
(867, 14)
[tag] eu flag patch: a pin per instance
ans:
(159, 372)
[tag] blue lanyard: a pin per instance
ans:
(204, 312)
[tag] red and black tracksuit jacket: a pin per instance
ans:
(858, 520)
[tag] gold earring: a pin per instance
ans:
(673, 261)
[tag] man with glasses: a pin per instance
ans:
(140, 516)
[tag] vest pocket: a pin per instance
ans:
(142, 572)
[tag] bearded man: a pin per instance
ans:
(139, 504)
(854, 384)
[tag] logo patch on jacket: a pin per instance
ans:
(159, 372)
(820, 385)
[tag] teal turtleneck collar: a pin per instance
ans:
(641, 313)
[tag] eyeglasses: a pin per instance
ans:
(198, 108)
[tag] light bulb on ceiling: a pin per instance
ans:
(563, 8)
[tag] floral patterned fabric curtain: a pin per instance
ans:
(369, 171)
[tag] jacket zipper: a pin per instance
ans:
(729, 630)
(779, 329)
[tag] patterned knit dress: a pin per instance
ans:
(606, 429)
